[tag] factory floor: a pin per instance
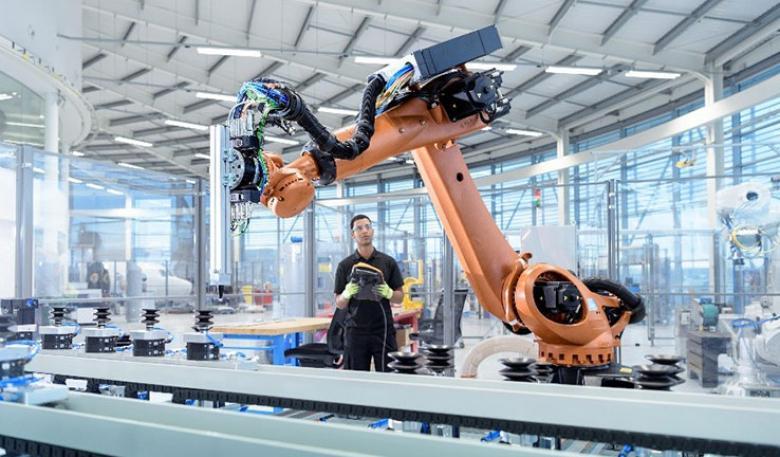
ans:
(475, 329)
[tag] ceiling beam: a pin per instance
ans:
(216, 65)
(354, 38)
(249, 18)
(499, 10)
(128, 32)
(559, 15)
(119, 121)
(748, 34)
(684, 25)
(89, 89)
(520, 31)
(539, 77)
(409, 41)
(621, 20)
(168, 90)
(200, 104)
(268, 71)
(342, 95)
(93, 60)
(135, 74)
(576, 89)
(155, 131)
(310, 81)
(512, 56)
(186, 140)
(176, 48)
(114, 104)
(628, 97)
(304, 27)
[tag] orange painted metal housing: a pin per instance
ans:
(502, 280)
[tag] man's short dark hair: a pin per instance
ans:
(357, 218)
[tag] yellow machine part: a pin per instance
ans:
(407, 302)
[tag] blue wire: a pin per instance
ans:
(213, 340)
(626, 450)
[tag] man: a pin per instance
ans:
(370, 330)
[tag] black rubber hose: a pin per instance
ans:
(364, 125)
(632, 302)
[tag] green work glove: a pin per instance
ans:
(350, 290)
(384, 290)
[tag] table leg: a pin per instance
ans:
(279, 347)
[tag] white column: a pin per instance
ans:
(713, 91)
(562, 146)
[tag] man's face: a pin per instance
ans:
(363, 232)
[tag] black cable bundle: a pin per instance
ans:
(298, 111)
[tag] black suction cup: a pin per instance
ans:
(204, 320)
(101, 316)
(665, 359)
(519, 369)
(150, 318)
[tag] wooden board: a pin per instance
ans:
(301, 324)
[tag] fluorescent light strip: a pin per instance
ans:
(4, 97)
(374, 60)
(201, 155)
(587, 71)
(341, 111)
(130, 165)
(190, 181)
(40, 171)
(186, 125)
(121, 139)
(486, 128)
(24, 124)
(524, 132)
(75, 181)
(77, 153)
(649, 74)
(95, 186)
(235, 52)
(276, 139)
(490, 66)
(214, 96)
(115, 192)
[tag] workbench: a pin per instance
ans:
(283, 335)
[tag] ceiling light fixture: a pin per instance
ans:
(341, 111)
(77, 153)
(75, 181)
(276, 139)
(374, 60)
(587, 71)
(186, 125)
(40, 171)
(215, 96)
(524, 132)
(121, 139)
(95, 186)
(490, 66)
(24, 124)
(235, 52)
(649, 74)
(130, 165)
(115, 192)
(5, 97)
(201, 155)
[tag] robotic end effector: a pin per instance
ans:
(434, 75)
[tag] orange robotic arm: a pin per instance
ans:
(576, 324)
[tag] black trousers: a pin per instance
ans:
(363, 346)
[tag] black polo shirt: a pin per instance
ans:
(366, 315)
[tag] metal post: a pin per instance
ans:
(200, 246)
(24, 222)
(309, 261)
(219, 198)
(713, 91)
(612, 230)
(562, 147)
(448, 284)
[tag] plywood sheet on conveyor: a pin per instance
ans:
(301, 324)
